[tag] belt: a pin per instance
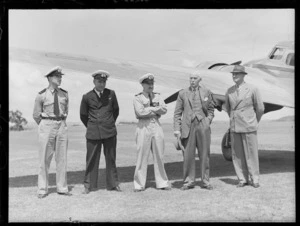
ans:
(54, 118)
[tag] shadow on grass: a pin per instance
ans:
(270, 162)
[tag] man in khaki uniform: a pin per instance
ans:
(245, 108)
(50, 113)
(148, 107)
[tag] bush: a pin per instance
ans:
(16, 121)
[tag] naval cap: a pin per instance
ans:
(54, 71)
(239, 69)
(100, 74)
(146, 78)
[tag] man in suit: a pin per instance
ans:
(245, 108)
(50, 113)
(193, 115)
(99, 111)
(148, 108)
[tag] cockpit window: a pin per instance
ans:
(277, 54)
(290, 59)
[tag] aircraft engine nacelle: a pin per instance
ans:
(226, 146)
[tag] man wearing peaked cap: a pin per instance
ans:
(50, 112)
(245, 108)
(99, 111)
(148, 107)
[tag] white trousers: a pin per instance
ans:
(150, 137)
(53, 138)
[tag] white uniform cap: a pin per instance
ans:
(55, 70)
(102, 73)
(147, 77)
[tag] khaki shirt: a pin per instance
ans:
(142, 107)
(44, 104)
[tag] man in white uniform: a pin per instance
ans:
(148, 107)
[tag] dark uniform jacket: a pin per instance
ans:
(99, 114)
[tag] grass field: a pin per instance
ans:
(274, 201)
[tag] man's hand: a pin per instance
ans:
(177, 134)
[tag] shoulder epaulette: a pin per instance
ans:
(138, 94)
(63, 90)
(44, 90)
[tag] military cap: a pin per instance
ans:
(54, 71)
(100, 74)
(146, 78)
(239, 69)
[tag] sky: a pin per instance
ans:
(172, 36)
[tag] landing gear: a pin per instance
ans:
(226, 146)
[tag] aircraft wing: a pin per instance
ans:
(274, 95)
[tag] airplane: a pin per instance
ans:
(215, 76)
(277, 69)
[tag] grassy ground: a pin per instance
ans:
(274, 201)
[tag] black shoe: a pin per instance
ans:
(64, 193)
(255, 185)
(241, 184)
(139, 190)
(41, 196)
(86, 191)
(117, 188)
(208, 187)
(166, 188)
(186, 187)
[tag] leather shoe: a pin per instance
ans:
(117, 188)
(240, 185)
(41, 196)
(86, 191)
(165, 188)
(64, 193)
(139, 190)
(255, 185)
(208, 187)
(186, 187)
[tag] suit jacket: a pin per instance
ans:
(99, 114)
(183, 110)
(245, 110)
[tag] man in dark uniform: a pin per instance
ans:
(99, 110)
(50, 113)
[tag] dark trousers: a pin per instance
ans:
(93, 159)
(199, 137)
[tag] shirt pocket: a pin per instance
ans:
(63, 102)
(48, 106)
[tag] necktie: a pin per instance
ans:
(151, 103)
(56, 107)
(194, 94)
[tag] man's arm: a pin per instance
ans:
(227, 104)
(141, 111)
(38, 108)
(211, 108)
(84, 111)
(162, 108)
(115, 106)
(177, 115)
(258, 104)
